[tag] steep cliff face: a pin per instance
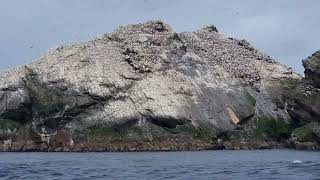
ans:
(312, 69)
(141, 87)
(302, 99)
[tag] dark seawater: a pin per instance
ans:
(260, 164)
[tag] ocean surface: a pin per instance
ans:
(259, 164)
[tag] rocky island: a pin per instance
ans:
(145, 87)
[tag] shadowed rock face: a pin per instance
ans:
(312, 69)
(302, 97)
(141, 87)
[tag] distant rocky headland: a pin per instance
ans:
(145, 87)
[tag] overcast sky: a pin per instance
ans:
(287, 30)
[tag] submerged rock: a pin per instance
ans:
(141, 87)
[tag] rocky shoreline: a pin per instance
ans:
(136, 147)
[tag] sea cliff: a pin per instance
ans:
(145, 87)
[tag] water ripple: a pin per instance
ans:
(270, 164)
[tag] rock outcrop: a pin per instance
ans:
(142, 87)
(301, 98)
(312, 69)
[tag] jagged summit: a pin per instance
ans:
(154, 45)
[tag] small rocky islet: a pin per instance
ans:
(145, 87)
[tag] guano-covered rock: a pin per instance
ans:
(142, 87)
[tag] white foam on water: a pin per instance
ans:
(296, 161)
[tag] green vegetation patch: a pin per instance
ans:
(270, 128)
(202, 132)
(106, 132)
(8, 128)
(309, 132)
(146, 131)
